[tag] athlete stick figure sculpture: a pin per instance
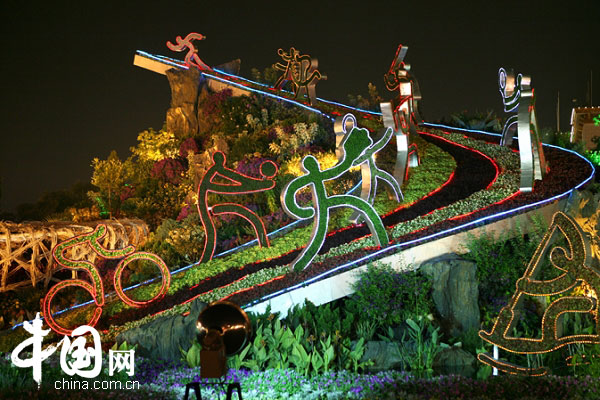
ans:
(240, 184)
(301, 70)
(574, 261)
(400, 78)
(354, 145)
(191, 58)
(517, 94)
(370, 172)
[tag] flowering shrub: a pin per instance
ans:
(168, 170)
(155, 146)
(288, 141)
(388, 297)
(187, 147)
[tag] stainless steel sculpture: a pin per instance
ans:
(396, 120)
(518, 95)
(399, 77)
(369, 171)
(401, 114)
(301, 71)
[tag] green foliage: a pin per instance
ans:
(110, 176)
(123, 346)
(366, 103)
(55, 205)
(500, 262)
(420, 352)
(310, 340)
(192, 356)
(268, 76)
(478, 121)
(366, 329)
(594, 157)
(388, 297)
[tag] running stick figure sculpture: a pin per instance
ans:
(370, 172)
(354, 145)
(301, 71)
(191, 58)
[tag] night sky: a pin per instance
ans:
(70, 91)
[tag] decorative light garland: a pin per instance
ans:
(92, 239)
(240, 184)
(574, 263)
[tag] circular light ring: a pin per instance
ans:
(166, 277)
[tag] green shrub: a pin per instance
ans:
(388, 297)
(317, 349)
(500, 262)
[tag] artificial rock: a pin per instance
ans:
(181, 117)
(385, 356)
(454, 361)
(455, 292)
(165, 336)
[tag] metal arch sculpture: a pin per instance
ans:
(354, 145)
(301, 71)
(191, 58)
(575, 263)
(518, 95)
(240, 184)
(370, 172)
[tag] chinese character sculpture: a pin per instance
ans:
(239, 184)
(574, 262)
(402, 114)
(34, 328)
(518, 95)
(355, 145)
(301, 71)
(370, 172)
(191, 58)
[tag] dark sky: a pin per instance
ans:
(70, 91)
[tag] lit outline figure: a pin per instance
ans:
(574, 261)
(354, 144)
(370, 172)
(401, 79)
(191, 58)
(510, 89)
(301, 70)
(96, 290)
(241, 184)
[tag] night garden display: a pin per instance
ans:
(268, 199)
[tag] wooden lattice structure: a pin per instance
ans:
(26, 249)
